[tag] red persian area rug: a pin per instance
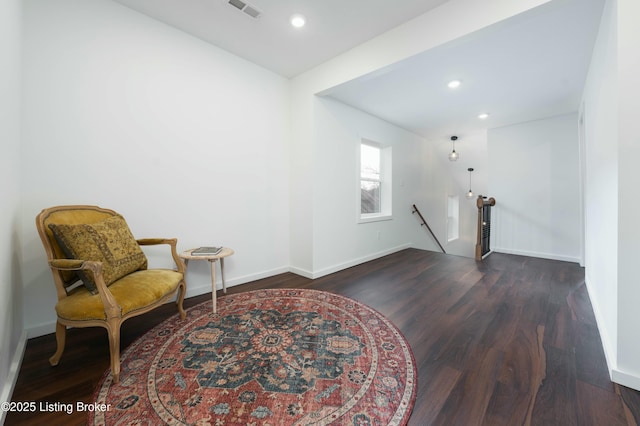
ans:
(268, 357)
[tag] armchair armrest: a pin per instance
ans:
(66, 264)
(111, 307)
(173, 242)
(156, 241)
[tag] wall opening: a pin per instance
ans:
(453, 218)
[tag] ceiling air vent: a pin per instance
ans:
(237, 3)
(246, 8)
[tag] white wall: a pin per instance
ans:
(628, 367)
(612, 145)
(337, 234)
(12, 339)
(600, 113)
(534, 177)
(184, 139)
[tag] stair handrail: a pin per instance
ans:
(424, 223)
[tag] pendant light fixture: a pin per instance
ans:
(470, 193)
(453, 156)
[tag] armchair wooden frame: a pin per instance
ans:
(65, 275)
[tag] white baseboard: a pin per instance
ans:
(617, 376)
(41, 329)
(625, 379)
(257, 276)
(14, 370)
(607, 346)
(302, 272)
(551, 256)
(354, 262)
(205, 287)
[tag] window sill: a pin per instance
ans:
(374, 218)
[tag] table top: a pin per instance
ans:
(226, 251)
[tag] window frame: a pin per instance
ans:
(385, 181)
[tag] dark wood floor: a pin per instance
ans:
(511, 340)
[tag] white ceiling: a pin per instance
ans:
(333, 26)
(530, 67)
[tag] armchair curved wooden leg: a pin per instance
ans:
(181, 292)
(114, 349)
(61, 335)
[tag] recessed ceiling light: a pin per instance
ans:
(483, 116)
(298, 20)
(454, 83)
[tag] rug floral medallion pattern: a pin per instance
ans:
(268, 357)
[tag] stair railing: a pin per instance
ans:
(424, 223)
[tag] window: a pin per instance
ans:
(375, 181)
(370, 180)
(453, 221)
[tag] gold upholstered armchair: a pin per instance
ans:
(101, 274)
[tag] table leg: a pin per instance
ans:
(224, 284)
(213, 285)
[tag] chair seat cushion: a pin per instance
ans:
(135, 291)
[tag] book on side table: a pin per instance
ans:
(206, 251)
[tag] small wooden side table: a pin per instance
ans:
(212, 258)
